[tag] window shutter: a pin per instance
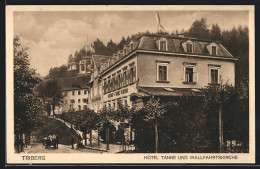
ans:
(122, 79)
(116, 82)
(113, 83)
(134, 74)
(108, 86)
(131, 74)
(104, 87)
(127, 76)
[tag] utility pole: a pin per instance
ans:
(71, 111)
(220, 123)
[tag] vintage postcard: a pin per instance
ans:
(135, 84)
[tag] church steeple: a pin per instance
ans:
(86, 53)
(87, 50)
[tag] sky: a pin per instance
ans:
(52, 36)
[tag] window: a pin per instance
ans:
(118, 81)
(85, 91)
(125, 102)
(85, 107)
(132, 75)
(131, 47)
(214, 74)
(124, 51)
(162, 74)
(82, 68)
(73, 93)
(79, 107)
(189, 48)
(125, 80)
(214, 50)
(78, 100)
(189, 74)
(79, 92)
(105, 87)
(108, 86)
(113, 83)
(85, 100)
(163, 45)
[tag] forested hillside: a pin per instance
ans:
(235, 40)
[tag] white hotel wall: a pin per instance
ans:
(146, 70)
(69, 96)
(131, 88)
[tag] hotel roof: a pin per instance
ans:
(174, 44)
(69, 83)
(99, 59)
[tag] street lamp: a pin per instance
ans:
(71, 111)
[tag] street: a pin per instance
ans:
(39, 148)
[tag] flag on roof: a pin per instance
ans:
(159, 22)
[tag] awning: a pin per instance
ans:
(169, 91)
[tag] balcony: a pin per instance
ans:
(191, 78)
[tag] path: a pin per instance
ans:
(113, 148)
(39, 148)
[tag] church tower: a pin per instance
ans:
(85, 61)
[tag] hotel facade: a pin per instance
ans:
(162, 66)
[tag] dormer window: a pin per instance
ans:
(131, 47)
(214, 50)
(163, 45)
(124, 51)
(189, 48)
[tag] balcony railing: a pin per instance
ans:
(190, 77)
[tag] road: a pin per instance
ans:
(38, 148)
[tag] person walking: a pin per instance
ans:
(57, 141)
(72, 142)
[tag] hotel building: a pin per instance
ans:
(162, 66)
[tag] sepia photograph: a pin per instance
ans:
(130, 84)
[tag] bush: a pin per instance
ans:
(182, 128)
(52, 126)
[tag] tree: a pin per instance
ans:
(183, 126)
(70, 58)
(217, 95)
(51, 93)
(121, 44)
(86, 120)
(105, 116)
(154, 111)
(237, 43)
(111, 48)
(123, 115)
(26, 106)
(100, 48)
(216, 33)
(199, 29)
(57, 72)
